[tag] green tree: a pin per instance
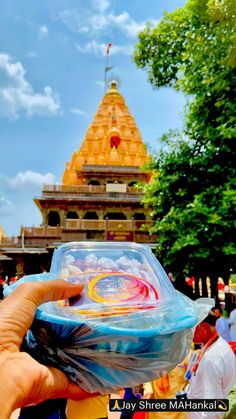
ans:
(193, 192)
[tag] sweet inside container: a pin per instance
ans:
(127, 327)
(117, 278)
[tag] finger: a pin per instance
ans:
(17, 311)
(58, 385)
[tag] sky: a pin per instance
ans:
(52, 59)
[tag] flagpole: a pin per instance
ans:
(107, 68)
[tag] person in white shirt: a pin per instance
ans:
(232, 324)
(214, 373)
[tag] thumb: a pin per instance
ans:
(17, 311)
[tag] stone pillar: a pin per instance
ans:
(107, 227)
(133, 228)
(128, 213)
(100, 214)
(81, 214)
(62, 214)
(44, 216)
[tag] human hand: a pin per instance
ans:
(23, 380)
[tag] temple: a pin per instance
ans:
(99, 198)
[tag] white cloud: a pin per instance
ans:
(17, 95)
(29, 177)
(102, 21)
(42, 32)
(96, 48)
(78, 111)
(73, 20)
(101, 5)
(7, 208)
(16, 204)
(122, 21)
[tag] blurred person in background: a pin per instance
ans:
(222, 323)
(91, 408)
(166, 387)
(214, 373)
(232, 323)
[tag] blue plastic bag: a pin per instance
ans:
(129, 325)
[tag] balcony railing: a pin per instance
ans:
(111, 169)
(84, 189)
(9, 241)
(40, 235)
(85, 225)
(43, 231)
(120, 225)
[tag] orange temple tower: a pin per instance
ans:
(98, 198)
(112, 139)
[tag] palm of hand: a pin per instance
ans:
(23, 380)
(32, 382)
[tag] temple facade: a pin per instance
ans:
(99, 198)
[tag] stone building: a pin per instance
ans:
(98, 199)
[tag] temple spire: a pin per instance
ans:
(112, 139)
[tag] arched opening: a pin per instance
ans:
(93, 182)
(115, 216)
(54, 219)
(91, 215)
(72, 215)
(139, 216)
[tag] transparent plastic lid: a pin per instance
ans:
(126, 294)
(118, 278)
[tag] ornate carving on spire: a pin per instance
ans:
(70, 177)
(112, 138)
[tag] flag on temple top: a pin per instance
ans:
(108, 48)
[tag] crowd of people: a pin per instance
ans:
(208, 372)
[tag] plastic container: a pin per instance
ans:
(129, 324)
